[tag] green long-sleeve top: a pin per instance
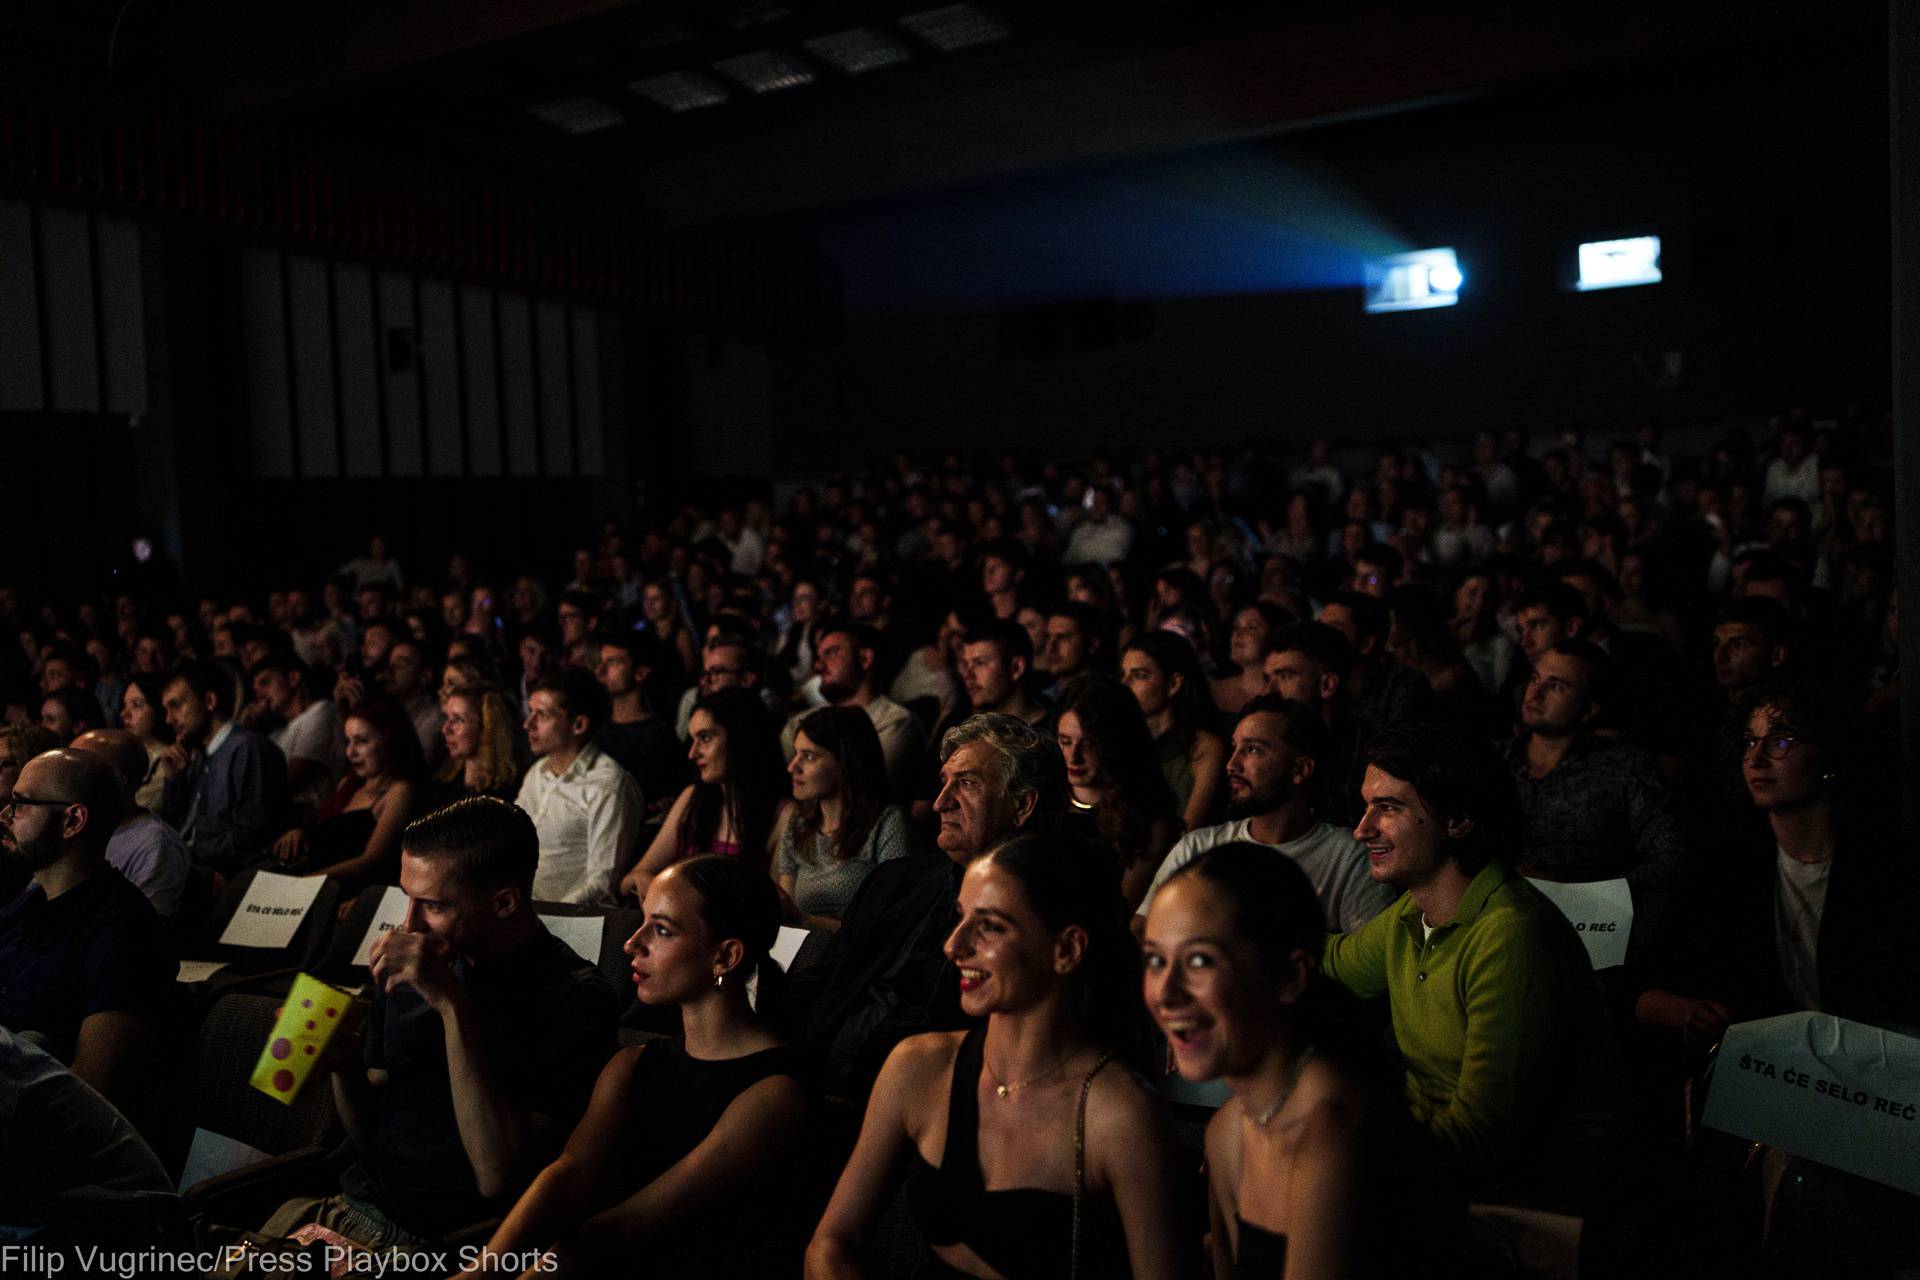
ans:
(1510, 1062)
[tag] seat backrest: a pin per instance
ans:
(223, 1102)
(336, 964)
(308, 941)
(615, 926)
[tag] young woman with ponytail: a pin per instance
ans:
(682, 1135)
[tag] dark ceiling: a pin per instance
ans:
(694, 113)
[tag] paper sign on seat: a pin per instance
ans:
(1601, 912)
(1836, 1092)
(582, 933)
(198, 970)
(787, 945)
(388, 916)
(271, 913)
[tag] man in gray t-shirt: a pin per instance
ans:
(1275, 747)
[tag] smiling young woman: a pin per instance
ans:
(1031, 1151)
(1315, 1141)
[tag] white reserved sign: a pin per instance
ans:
(271, 912)
(582, 933)
(388, 916)
(1601, 912)
(787, 946)
(1840, 1093)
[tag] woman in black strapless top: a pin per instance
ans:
(683, 1160)
(355, 835)
(1033, 1151)
(1312, 1140)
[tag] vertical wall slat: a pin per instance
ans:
(359, 370)
(20, 355)
(264, 342)
(66, 268)
(519, 421)
(402, 386)
(316, 421)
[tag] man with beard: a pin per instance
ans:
(1269, 779)
(85, 967)
(844, 657)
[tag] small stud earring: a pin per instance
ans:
(719, 981)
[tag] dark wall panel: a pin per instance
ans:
(440, 370)
(354, 331)
(72, 334)
(480, 367)
(586, 395)
(22, 383)
(264, 351)
(309, 314)
(556, 390)
(123, 341)
(400, 376)
(519, 422)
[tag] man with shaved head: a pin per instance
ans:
(85, 964)
(148, 852)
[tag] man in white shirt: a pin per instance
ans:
(586, 808)
(1275, 747)
(843, 657)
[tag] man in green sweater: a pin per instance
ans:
(1510, 1063)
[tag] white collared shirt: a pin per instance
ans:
(588, 817)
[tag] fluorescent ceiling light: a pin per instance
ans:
(953, 27)
(858, 50)
(577, 115)
(766, 71)
(680, 91)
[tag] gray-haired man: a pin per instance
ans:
(882, 976)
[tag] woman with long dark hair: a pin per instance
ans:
(681, 1134)
(1163, 673)
(1311, 1146)
(843, 822)
(143, 715)
(1032, 1152)
(1113, 769)
(355, 833)
(733, 806)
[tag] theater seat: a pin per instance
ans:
(302, 1141)
(308, 941)
(617, 924)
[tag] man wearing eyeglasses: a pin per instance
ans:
(728, 660)
(85, 965)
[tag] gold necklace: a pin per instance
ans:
(1286, 1091)
(1003, 1090)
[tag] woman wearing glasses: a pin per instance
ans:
(483, 749)
(1820, 919)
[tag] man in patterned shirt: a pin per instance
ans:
(1595, 808)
